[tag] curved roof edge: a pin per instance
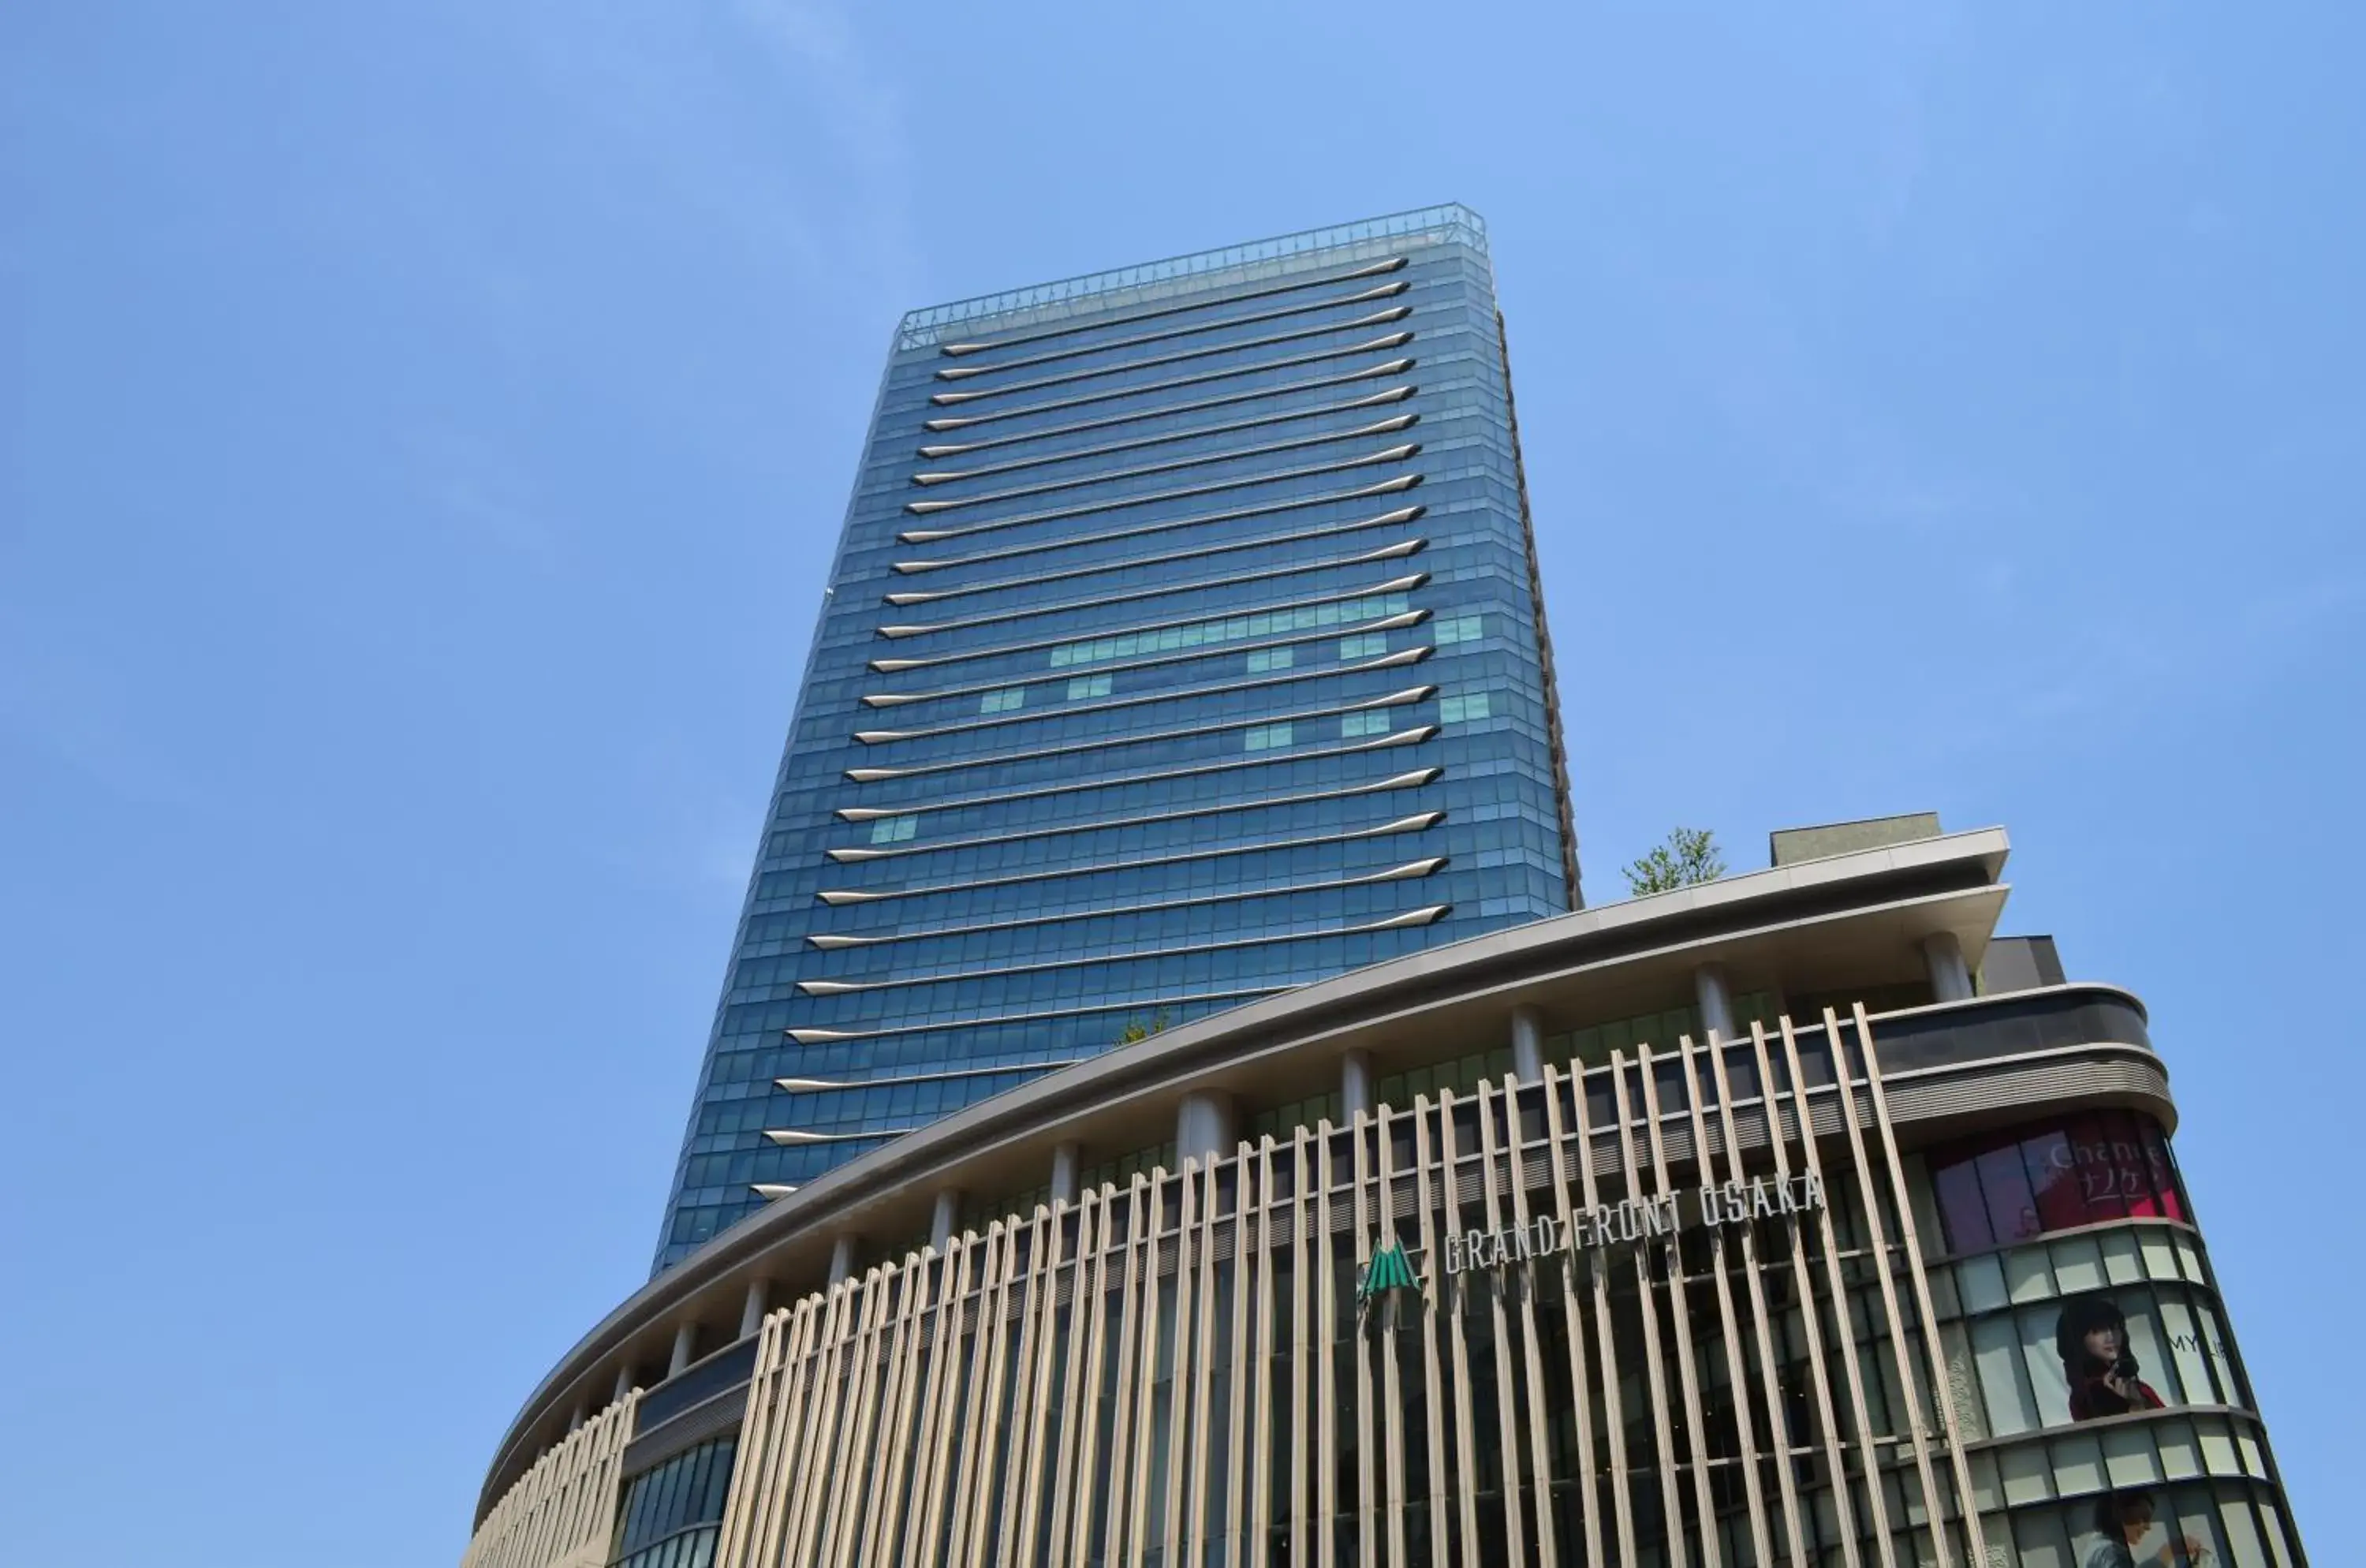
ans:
(1950, 882)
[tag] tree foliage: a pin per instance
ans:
(1136, 1030)
(1689, 858)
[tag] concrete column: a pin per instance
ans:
(575, 1417)
(1714, 1000)
(1356, 1082)
(940, 1223)
(1951, 978)
(623, 1382)
(685, 1341)
(1528, 1045)
(842, 1259)
(759, 1303)
(1203, 1126)
(1063, 1173)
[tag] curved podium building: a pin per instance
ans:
(1794, 1218)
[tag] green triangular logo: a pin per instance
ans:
(1387, 1271)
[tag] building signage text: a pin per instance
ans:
(1633, 1219)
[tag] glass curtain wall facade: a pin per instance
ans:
(1183, 645)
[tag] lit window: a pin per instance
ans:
(1266, 736)
(1004, 701)
(1266, 659)
(1460, 710)
(1086, 686)
(893, 830)
(1370, 645)
(1231, 628)
(1374, 721)
(1461, 628)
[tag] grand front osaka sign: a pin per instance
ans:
(1634, 1220)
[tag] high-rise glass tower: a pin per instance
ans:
(1183, 645)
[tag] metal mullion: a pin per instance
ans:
(1127, 664)
(1179, 1397)
(1206, 1428)
(820, 1410)
(1259, 1476)
(1237, 1441)
(567, 1487)
(1919, 1276)
(1802, 1284)
(612, 1463)
(1728, 1320)
(1367, 1482)
(1170, 332)
(1507, 1423)
(539, 1508)
(526, 1531)
(941, 451)
(1434, 1253)
(1829, 1246)
(1051, 1235)
(1326, 1365)
(1008, 1418)
(517, 1521)
(756, 1430)
(980, 1454)
(1777, 1428)
(1147, 1403)
(1302, 1362)
(570, 1500)
(920, 1531)
(544, 1517)
(1664, 1443)
(891, 665)
(1532, 1361)
(811, 1385)
(1224, 686)
(1267, 846)
(769, 1496)
(1459, 1350)
(1079, 1426)
(852, 1482)
(1192, 1528)
(1870, 1195)
(1088, 1478)
(1176, 307)
(847, 1480)
(962, 394)
(896, 1420)
(1680, 1304)
(1573, 1324)
(1410, 779)
(938, 424)
(1391, 1495)
(1613, 1416)
(1035, 485)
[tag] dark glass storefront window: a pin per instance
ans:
(2081, 1170)
(669, 1514)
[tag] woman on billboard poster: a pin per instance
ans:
(2092, 1339)
(2130, 1538)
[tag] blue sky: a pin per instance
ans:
(426, 426)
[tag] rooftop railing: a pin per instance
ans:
(1042, 302)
